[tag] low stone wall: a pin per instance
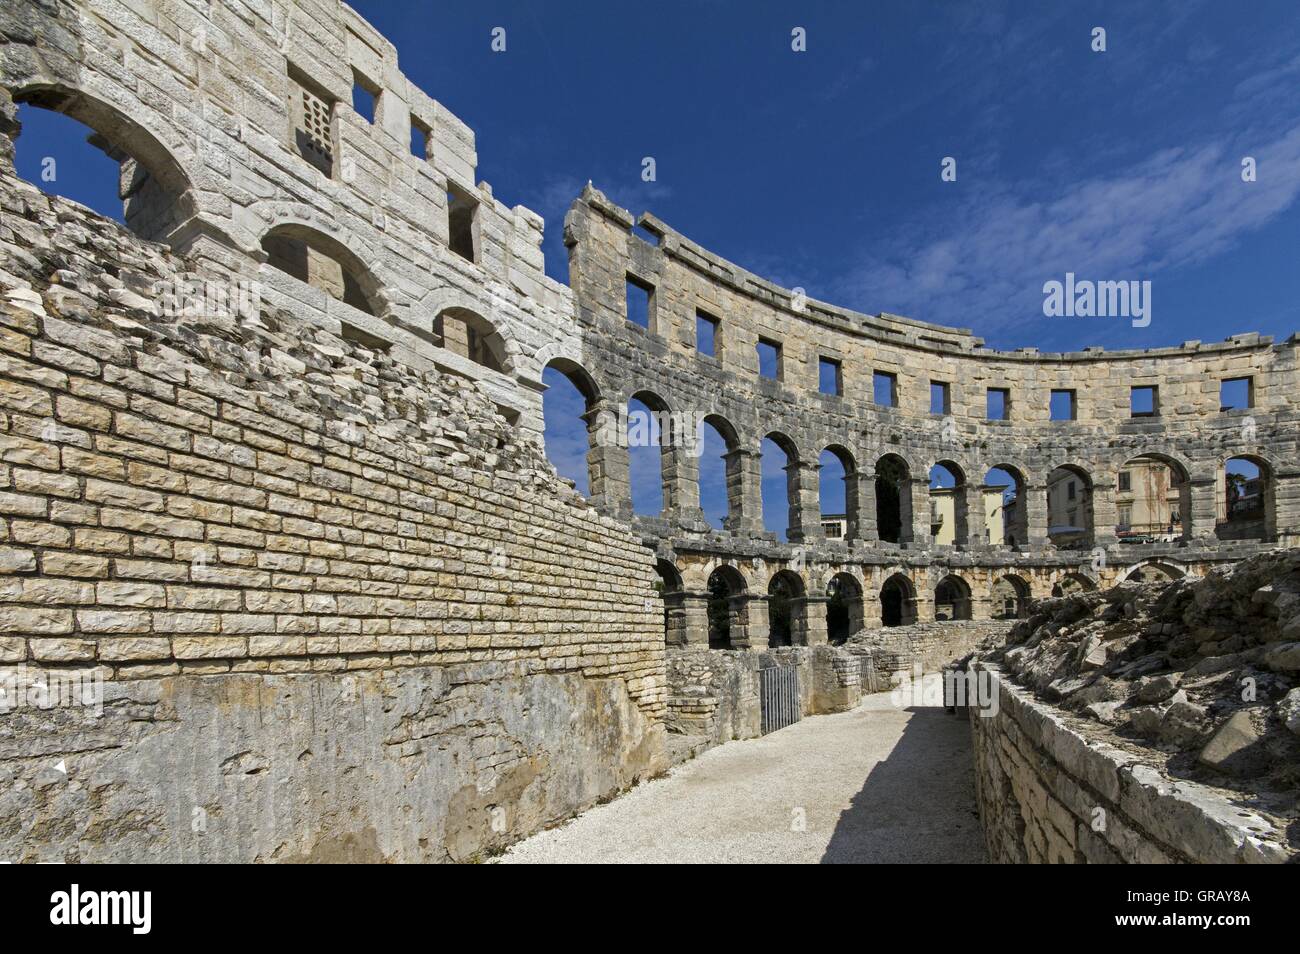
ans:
(896, 649)
(1048, 792)
(713, 694)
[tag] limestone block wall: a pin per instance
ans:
(1047, 792)
(339, 606)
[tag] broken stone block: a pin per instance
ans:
(1158, 688)
(1235, 749)
(1288, 710)
(1284, 656)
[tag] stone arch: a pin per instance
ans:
(470, 335)
(1069, 494)
(733, 465)
(898, 601)
(1008, 525)
(893, 478)
(1154, 571)
(728, 608)
(786, 609)
(1153, 498)
(160, 197)
(672, 592)
(844, 609)
(1246, 505)
(952, 599)
(840, 525)
(324, 262)
(949, 514)
(792, 468)
(648, 426)
(1009, 597)
(1073, 583)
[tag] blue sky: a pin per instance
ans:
(822, 169)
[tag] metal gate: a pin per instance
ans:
(778, 696)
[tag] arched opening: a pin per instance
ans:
(1153, 500)
(1154, 573)
(322, 262)
(728, 610)
(1006, 516)
(76, 146)
(720, 475)
(844, 610)
(649, 427)
(567, 403)
(1069, 508)
(952, 599)
(837, 493)
(897, 601)
(1072, 584)
(1245, 509)
(948, 517)
(893, 499)
(471, 336)
(669, 588)
(1009, 598)
(779, 463)
(784, 614)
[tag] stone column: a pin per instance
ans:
(675, 620)
(695, 619)
(862, 486)
(607, 461)
(681, 480)
(805, 507)
(1282, 507)
(1202, 516)
(916, 520)
(752, 607)
(976, 535)
(744, 492)
(808, 621)
(1035, 520)
(1104, 514)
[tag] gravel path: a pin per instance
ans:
(877, 784)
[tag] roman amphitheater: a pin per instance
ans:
(274, 472)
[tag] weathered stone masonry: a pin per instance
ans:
(315, 547)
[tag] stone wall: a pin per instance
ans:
(341, 608)
(1047, 792)
(932, 646)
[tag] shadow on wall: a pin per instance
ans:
(918, 805)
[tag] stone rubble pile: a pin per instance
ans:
(1206, 670)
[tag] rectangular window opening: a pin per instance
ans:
(365, 97)
(706, 334)
(1144, 401)
(884, 388)
(998, 404)
(420, 134)
(462, 223)
(940, 397)
(640, 297)
(1064, 406)
(1236, 393)
(769, 359)
(830, 377)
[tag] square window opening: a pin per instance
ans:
(1144, 401)
(1064, 406)
(365, 97)
(1236, 393)
(884, 388)
(998, 404)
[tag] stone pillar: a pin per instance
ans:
(808, 621)
(681, 481)
(861, 487)
(1035, 507)
(976, 534)
(744, 492)
(752, 607)
(1104, 514)
(915, 505)
(695, 619)
(607, 461)
(805, 507)
(1282, 507)
(1200, 518)
(923, 604)
(676, 624)
(872, 616)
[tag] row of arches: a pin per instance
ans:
(778, 613)
(1151, 494)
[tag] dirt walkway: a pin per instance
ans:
(877, 784)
